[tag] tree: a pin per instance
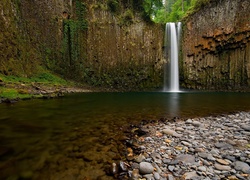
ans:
(169, 10)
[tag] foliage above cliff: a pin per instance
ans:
(172, 10)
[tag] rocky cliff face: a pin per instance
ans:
(216, 47)
(122, 50)
(31, 35)
(104, 43)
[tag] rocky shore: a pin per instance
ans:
(200, 148)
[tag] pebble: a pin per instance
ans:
(196, 123)
(157, 176)
(168, 131)
(139, 158)
(222, 167)
(241, 166)
(190, 175)
(179, 129)
(145, 168)
(223, 162)
(202, 168)
(170, 177)
(171, 168)
(246, 127)
(185, 158)
(208, 148)
(134, 174)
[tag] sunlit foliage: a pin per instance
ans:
(162, 11)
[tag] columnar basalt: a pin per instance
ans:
(216, 47)
(103, 43)
(123, 51)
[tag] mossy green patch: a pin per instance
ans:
(13, 93)
(43, 77)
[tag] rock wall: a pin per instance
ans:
(123, 51)
(14, 47)
(85, 40)
(31, 35)
(216, 47)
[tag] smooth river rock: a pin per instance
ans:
(222, 167)
(146, 168)
(210, 148)
(246, 127)
(171, 132)
(185, 158)
(241, 166)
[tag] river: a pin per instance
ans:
(78, 136)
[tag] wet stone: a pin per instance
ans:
(231, 158)
(171, 177)
(241, 166)
(223, 162)
(139, 158)
(168, 131)
(196, 123)
(189, 121)
(246, 127)
(222, 167)
(145, 168)
(202, 168)
(134, 175)
(207, 148)
(185, 158)
(148, 176)
(191, 175)
(171, 168)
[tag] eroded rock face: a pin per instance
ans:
(127, 51)
(216, 47)
(82, 40)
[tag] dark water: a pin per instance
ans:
(75, 136)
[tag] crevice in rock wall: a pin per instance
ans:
(215, 45)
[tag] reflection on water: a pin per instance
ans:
(78, 134)
(173, 105)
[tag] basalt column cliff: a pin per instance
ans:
(105, 43)
(216, 47)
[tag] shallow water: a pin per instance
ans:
(77, 136)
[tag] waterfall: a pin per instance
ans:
(171, 66)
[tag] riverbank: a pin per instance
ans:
(199, 148)
(44, 85)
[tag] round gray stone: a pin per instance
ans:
(222, 167)
(146, 168)
(241, 166)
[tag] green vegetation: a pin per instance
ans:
(172, 10)
(20, 87)
(24, 48)
(81, 22)
(113, 6)
(42, 77)
(13, 93)
(74, 29)
(16, 54)
(129, 76)
(126, 18)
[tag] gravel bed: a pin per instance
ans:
(200, 148)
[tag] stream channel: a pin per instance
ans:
(78, 136)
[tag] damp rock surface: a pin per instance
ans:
(205, 148)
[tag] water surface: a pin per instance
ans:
(77, 136)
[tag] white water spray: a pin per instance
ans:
(171, 67)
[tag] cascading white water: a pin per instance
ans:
(171, 68)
